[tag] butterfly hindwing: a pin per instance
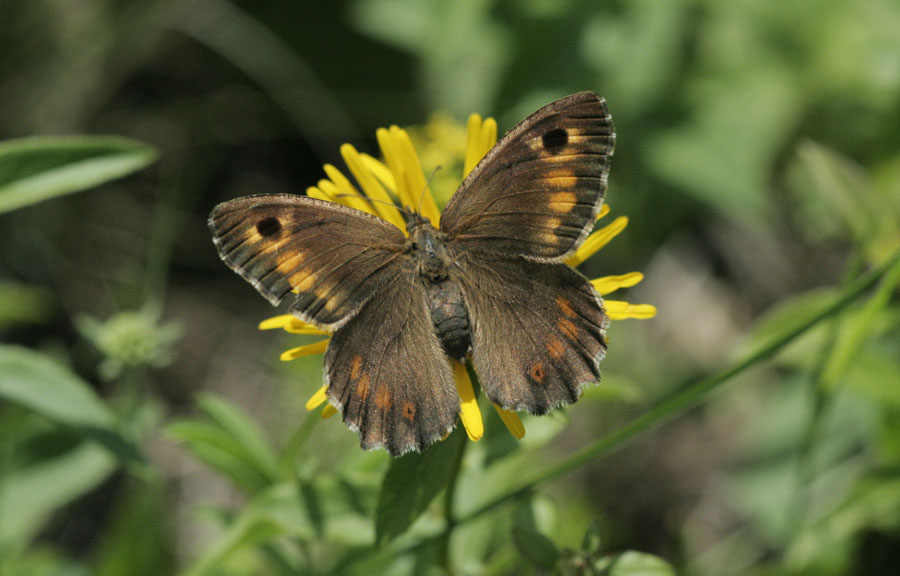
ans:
(388, 375)
(334, 258)
(538, 191)
(538, 331)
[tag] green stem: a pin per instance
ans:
(687, 398)
(821, 403)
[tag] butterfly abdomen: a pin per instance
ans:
(449, 316)
(442, 292)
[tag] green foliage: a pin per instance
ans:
(34, 381)
(230, 442)
(129, 340)
(144, 428)
(40, 168)
(411, 483)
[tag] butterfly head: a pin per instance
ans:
(426, 245)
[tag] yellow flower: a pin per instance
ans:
(400, 176)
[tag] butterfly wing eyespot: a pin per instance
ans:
(538, 191)
(554, 140)
(334, 258)
(268, 226)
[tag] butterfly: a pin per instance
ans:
(488, 284)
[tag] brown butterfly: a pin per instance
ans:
(490, 283)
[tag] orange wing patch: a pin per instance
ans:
(564, 202)
(556, 348)
(565, 307)
(362, 386)
(383, 398)
(568, 328)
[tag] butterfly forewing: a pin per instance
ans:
(333, 257)
(538, 331)
(388, 374)
(537, 192)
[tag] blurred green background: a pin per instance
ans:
(147, 427)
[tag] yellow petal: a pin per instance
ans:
(290, 323)
(598, 240)
(512, 421)
(400, 156)
(347, 194)
(416, 178)
(473, 149)
(330, 190)
(480, 137)
(315, 192)
(317, 399)
(301, 327)
(604, 210)
(276, 322)
(384, 205)
(392, 158)
(380, 170)
(618, 310)
(488, 135)
(328, 412)
(307, 350)
(609, 284)
(469, 412)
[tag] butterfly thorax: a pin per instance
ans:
(427, 248)
(445, 302)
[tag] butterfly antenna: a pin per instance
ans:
(425, 189)
(366, 198)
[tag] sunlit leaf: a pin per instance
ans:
(39, 168)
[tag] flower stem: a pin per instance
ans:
(687, 398)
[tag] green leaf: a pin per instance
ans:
(273, 513)
(32, 380)
(411, 483)
(22, 304)
(243, 430)
(593, 539)
(534, 546)
(136, 540)
(39, 168)
(28, 496)
(834, 195)
(230, 442)
(633, 563)
(856, 332)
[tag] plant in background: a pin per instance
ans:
(130, 340)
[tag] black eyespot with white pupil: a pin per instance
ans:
(268, 226)
(555, 139)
